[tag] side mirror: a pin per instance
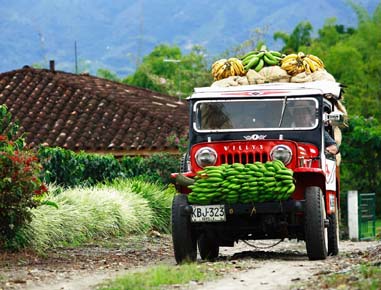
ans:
(335, 118)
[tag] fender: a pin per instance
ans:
(306, 176)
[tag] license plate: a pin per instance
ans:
(208, 213)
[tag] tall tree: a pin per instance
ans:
(169, 71)
(107, 74)
(361, 167)
(301, 35)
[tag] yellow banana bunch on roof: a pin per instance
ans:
(296, 63)
(224, 68)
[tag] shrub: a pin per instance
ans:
(158, 196)
(19, 180)
(85, 213)
(160, 166)
(67, 168)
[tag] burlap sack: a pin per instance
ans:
(254, 78)
(322, 75)
(243, 81)
(338, 135)
(227, 82)
(274, 74)
(301, 78)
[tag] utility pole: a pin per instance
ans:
(75, 57)
(140, 37)
(177, 62)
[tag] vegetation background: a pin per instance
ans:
(351, 54)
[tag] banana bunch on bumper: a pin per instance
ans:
(256, 60)
(224, 68)
(296, 63)
(238, 183)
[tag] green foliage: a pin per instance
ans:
(67, 168)
(133, 166)
(361, 165)
(364, 276)
(301, 35)
(99, 168)
(158, 196)
(160, 166)
(353, 57)
(331, 33)
(155, 168)
(167, 70)
(165, 276)
(106, 74)
(19, 181)
(180, 142)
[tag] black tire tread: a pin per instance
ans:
(184, 241)
(314, 224)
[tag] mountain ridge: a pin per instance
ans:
(114, 35)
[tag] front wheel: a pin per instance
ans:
(183, 237)
(316, 234)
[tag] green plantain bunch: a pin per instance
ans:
(238, 183)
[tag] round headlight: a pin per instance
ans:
(282, 153)
(206, 156)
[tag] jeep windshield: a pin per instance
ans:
(285, 113)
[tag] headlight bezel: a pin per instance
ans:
(281, 149)
(205, 150)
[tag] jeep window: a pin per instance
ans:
(259, 114)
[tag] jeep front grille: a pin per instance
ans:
(242, 157)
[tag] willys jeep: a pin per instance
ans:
(255, 125)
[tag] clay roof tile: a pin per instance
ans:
(82, 112)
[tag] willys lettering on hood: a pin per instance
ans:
(243, 147)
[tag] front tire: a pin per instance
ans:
(208, 247)
(183, 237)
(333, 233)
(316, 234)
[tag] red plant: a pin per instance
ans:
(19, 186)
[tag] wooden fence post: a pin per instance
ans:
(353, 216)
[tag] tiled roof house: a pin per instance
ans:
(82, 112)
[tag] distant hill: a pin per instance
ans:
(114, 34)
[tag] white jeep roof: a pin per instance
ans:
(270, 89)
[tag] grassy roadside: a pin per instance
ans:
(158, 276)
(361, 277)
(357, 270)
(124, 207)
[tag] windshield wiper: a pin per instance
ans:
(283, 109)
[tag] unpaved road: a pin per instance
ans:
(278, 267)
(284, 265)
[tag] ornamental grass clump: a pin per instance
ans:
(85, 213)
(19, 181)
(158, 196)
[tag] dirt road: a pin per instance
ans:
(283, 265)
(278, 267)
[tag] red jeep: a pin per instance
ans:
(261, 123)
